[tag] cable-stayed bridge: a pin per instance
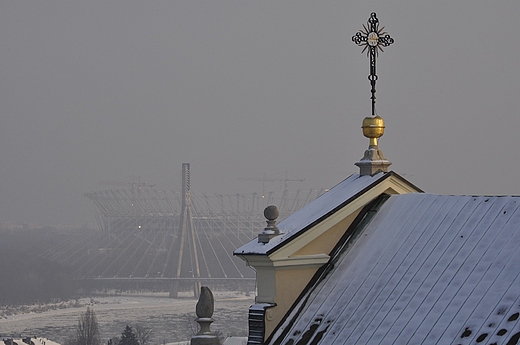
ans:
(151, 237)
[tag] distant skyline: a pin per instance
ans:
(102, 91)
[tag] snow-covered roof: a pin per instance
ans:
(427, 269)
(235, 341)
(314, 212)
(23, 341)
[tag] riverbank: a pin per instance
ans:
(171, 319)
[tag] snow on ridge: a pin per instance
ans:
(327, 202)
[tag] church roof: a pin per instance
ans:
(318, 210)
(427, 269)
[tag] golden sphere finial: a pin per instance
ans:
(373, 128)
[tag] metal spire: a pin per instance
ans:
(372, 39)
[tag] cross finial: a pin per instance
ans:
(372, 39)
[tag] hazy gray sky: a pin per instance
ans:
(103, 90)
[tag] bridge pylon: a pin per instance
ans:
(186, 234)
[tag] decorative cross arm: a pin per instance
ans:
(372, 39)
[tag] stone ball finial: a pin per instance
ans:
(271, 212)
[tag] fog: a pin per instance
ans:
(93, 91)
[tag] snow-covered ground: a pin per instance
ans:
(171, 319)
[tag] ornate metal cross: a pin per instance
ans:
(373, 39)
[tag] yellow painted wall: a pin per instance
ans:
(290, 282)
(326, 242)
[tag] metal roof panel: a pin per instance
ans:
(427, 269)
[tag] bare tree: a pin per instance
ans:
(191, 325)
(143, 334)
(87, 330)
